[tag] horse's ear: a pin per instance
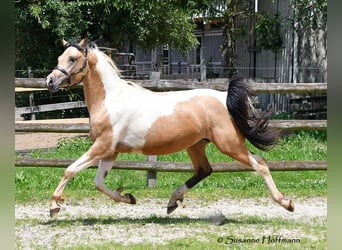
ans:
(83, 43)
(65, 43)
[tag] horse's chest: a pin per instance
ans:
(100, 125)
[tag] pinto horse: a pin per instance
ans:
(125, 117)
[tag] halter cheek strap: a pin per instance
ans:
(66, 73)
(63, 71)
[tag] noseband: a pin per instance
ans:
(68, 75)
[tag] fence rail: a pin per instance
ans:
(165, 85)
(178, 166)
(49, 107)
(81, 125)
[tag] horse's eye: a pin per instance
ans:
(72, 59)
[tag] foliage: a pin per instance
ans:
(40, 25)
(267, 31)
(309, 14)
(163, 23)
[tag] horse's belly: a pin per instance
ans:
(165, 143)
(169, 145)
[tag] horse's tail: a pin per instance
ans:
(252, 124)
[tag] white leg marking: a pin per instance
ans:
(57, 197)
(104, 167)
(177, 195)
(261, 167)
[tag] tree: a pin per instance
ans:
(309, 21)
(40, 25)
(235, 15)
(239, 20)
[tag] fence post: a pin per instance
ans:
(31, 99)
(203, 67)
(29, 72)
(152, 175)
(155, 77)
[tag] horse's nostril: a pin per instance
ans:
(49, 81)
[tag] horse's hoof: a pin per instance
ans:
(171, 208)
(131, 198)
(61, 200)
(291, 206)
(54, 212)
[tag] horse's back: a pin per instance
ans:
(171, 121)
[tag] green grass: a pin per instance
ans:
(37, 184)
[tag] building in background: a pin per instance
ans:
(303, 57)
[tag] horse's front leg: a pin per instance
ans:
(103, 169)
(83, 162)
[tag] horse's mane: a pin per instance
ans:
(93, 47)
(109, 60)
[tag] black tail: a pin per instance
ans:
(252, 124)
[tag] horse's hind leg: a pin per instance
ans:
(202, 170)
(260, 165)
(103, 169)
(237, 149)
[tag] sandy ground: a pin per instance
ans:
(26, 141)
(102, 220)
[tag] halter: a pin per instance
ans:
(68, 75)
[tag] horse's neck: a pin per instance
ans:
(97, 88)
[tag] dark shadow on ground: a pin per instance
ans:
(90, 221)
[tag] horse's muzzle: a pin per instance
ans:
(49, 83)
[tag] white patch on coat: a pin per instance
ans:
(133, 111)
(253, 162)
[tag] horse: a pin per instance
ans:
(125, 117)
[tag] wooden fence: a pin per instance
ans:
(165, 85)
(22, 84)
(152, 165)
(81, 125)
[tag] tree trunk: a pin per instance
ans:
(228, 47)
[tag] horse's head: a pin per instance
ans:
(71, 68)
